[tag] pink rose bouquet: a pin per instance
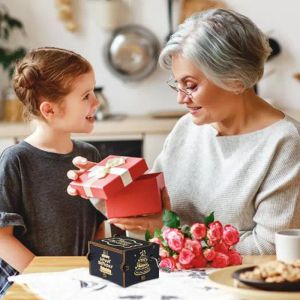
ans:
(208, 244)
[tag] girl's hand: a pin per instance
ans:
(83, 164)
(150, 222)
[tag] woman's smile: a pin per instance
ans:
(194, 109)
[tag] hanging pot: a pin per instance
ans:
(170, 19)
(132, 52)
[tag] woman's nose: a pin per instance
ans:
(182, 98)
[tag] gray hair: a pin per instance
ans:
(226, 46)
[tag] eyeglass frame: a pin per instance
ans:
(176, 89)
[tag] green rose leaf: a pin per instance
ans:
(148, 235)
(157, 233)
(165, 244)
(209, 219)
(186, 229)
(170, 219)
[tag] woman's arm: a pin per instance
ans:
(277, 212)
(277, 203)
(13, 251)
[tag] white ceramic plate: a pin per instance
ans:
(223, 279)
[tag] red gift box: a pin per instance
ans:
(109, 176)
(142, 196)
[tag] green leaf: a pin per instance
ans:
(157, 233)
(165, 244)
(170, 219)
(186, 229)
(14, 23)
(11, 71)
(6, 33)
(204, 243)
(148, 235)
(209, 219)
(8, 57)
(8, 24)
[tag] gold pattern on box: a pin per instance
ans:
(142, 266)
(105, 263)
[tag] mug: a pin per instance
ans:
(287, 244)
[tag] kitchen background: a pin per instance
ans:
(279, 19)
(89, 29)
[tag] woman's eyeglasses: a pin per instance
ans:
(173, 84)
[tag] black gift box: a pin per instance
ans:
(124, 260)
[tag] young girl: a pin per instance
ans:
(37, 216)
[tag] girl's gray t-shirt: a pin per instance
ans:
(34, 200)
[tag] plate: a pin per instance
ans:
(223, 279)
(269, 286)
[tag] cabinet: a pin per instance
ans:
(147, 145)
(126, 144)
(133, 136)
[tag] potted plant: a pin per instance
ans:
(8, 55)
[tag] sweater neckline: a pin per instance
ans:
(252, 133)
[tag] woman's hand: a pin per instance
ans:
(82, 164)
(150, 222)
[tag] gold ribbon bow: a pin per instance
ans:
(101, 171)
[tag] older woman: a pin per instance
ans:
(233, 153)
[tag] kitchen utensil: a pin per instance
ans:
(287, 245)
(110, 14)
(276, 48)
(132, 52)
(13, 108)
(103, 110)
(170, 19)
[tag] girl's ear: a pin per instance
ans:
(47, 110)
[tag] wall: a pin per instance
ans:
(279, 19)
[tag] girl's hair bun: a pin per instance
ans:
(27, 75)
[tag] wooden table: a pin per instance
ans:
(63, 263)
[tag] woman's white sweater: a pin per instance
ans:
(251, 181)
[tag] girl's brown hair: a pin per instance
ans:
(46, 73)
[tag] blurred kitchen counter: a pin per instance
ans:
(116, 125)
(112, 126)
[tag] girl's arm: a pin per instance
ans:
(13, 251)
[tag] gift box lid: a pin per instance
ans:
(120, 244)
(109, 176)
